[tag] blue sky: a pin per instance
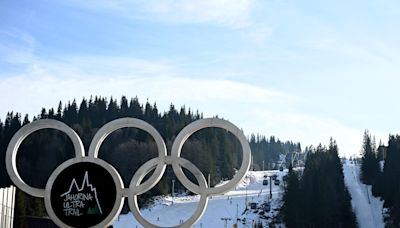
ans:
(299, 70)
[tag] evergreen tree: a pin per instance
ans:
(369, 162)
(59, 111)
(388, 185)
(320, 198)
(135, 109)
(292, 201)
(214, 151)
(123, 111)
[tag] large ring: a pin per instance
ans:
(19, 137)
(116, 199)
(107, 129)
(192, 128)
(82, 167)
(143, 171)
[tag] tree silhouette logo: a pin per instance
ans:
(78, 200)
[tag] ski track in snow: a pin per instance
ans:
(228, 205)
(368, 209)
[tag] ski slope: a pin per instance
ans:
(367, 208)
(229, 206)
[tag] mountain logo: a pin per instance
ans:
(78, 201)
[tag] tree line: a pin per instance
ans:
(214, 151)
(318, 197)
(266, 152)
(380, 168)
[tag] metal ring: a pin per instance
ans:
(114, 125)
(111, 170)
(198, 125)
(136, 187)
(134, 207)
(19, 137)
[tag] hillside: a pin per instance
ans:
(230, 205)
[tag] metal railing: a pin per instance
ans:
(7, 202)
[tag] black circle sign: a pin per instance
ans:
(83, 194)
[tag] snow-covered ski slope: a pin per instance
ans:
(367, 208)
(230, 206)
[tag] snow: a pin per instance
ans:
(381, 165)
(368, 209)
(230, 205)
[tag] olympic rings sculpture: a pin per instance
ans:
(136, 187)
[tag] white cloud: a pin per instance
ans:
(348, 47)
(226, 12)
(257, 34)
(71, 66)
(41, 87)
(250, 107)
(311, 130)
(255, 109)
(233, 13)
(16, 47)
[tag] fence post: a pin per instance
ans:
(7, 201)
